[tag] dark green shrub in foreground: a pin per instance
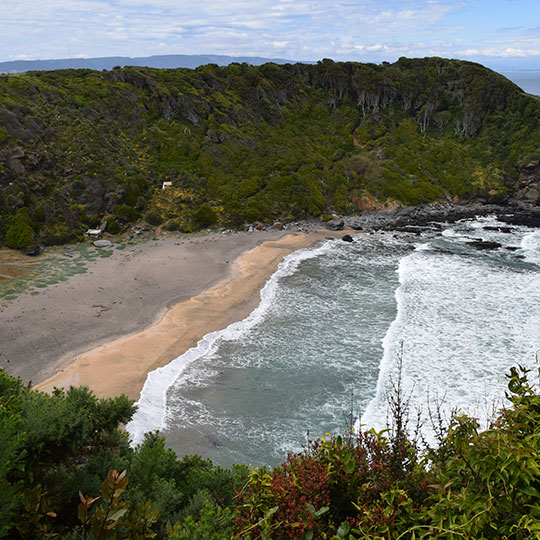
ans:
(172, 225)
(54, 446)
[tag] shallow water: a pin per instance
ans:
(331, 323)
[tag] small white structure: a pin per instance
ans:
(166, 185)
(95, 233)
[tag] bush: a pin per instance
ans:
(153, 218)
(205, 216)
(58, 234)
(127, 213)
(20, 233)
(372, 484)
(113, 226)
(172, 225)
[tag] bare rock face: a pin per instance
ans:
(335, 224)
(528, 192)
(15, 162)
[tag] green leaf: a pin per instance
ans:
(115, 516)
(321, 511)
(343, 530)
(529, 490)
(349, 464)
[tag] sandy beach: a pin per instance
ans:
(139, 308)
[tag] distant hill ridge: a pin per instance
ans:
(166, 61)
(244, 143)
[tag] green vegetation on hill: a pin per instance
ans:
(60, 456)
(243, 143)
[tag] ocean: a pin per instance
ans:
(333, 322)
(527, 80)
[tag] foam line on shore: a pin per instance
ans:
(151, 414)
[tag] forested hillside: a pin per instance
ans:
(249, 143)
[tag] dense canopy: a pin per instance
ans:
(253, 143)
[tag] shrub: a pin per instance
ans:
(205, 216)
(172, 225)
(373, 484)
(113, 226)
(56, 234)
(20, 233)
(152, 217)
(126, 213)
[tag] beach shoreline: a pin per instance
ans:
(124, 294)
(176, 291)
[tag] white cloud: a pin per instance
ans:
(370, 30)
(501, 52)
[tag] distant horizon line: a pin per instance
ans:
(233, 58)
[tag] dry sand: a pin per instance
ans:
(139, 309)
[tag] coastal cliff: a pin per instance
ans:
(246, 143)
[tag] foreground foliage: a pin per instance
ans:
(476, 484)
(245, 143)
(60, 458)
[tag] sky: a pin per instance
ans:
(501, 34)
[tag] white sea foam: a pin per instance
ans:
(530, 245)
(464, 320)
(249, 393)
(151, 414)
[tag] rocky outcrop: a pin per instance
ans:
(415, 219)
(529, 218)
(527, 193)
(335, 224)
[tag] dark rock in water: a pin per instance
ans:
(520, 256)
(412, 229)
(482, 244)
(529, 218)
(335, 224)
(347, 238)
(511, 248)
(506, 230)
(32, 252)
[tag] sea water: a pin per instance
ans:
(327, 337)
(527, 80)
